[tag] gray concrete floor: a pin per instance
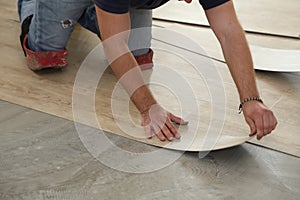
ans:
(42, 157)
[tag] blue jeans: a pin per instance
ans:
(53, 22)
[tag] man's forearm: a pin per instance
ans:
(239, 61)
(229, 32)
(126, 70)
(115, 33)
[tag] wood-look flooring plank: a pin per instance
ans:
(264, 16)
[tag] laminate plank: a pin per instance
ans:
(269, 53)
(263, 16)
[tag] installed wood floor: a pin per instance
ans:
(269, 53)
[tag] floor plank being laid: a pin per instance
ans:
(112, 103)
(265, 16)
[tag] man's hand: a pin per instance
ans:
(125, 68)
(230, 34)
(260, 119)
(161, 122)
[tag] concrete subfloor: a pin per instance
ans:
(42, 157)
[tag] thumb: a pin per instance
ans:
(252, 126)
(148, 132)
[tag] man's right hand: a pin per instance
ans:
(124, 65)
(159, 121)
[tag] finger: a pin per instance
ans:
(266, 122)
(273, 121)
(167, 133)
(159, 133)
(259, 127)
(178, 120)
(148, 131)
(173, 129)
(251, 124)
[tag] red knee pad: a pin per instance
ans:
(145, 61)
(58, 59)
(41, 60)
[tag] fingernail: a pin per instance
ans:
(183, 122)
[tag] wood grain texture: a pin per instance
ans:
(265, 16)
(51, 91)
(115, 115)
(268, 53)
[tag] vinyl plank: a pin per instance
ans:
(263, 16)
(269, 53)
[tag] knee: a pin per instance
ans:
(47, 59)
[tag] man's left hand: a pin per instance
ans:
(260, 119)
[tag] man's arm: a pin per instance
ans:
(114, 29)
(230, 34)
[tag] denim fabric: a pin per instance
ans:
(53, 22)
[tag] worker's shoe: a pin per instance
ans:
(42, 60)
(145, 61)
